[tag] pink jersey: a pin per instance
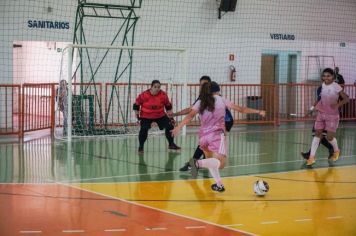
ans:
(329, 98)
(215, 120)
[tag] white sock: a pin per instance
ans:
(209, 163)
(334, 144)
(314, 146)
(213, 165)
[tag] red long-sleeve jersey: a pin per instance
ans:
(152, 106)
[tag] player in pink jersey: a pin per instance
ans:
(328, 114)
(211, 108)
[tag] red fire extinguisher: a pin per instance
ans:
(232, 73)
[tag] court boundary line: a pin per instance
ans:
(170, 200)
(227, 167)
(227, 177)
(159, 181)
(157, 209)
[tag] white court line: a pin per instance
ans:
(196, 227)
(30, 231)
(264, 163)
(156, 228)
(122, 176)
(114, 230)
(32, 183)
(157, 209)
(283, 130)
(334, 217)
(301, 220)
(73, 231)
(157, 173)
(167, 172)
(253, 154)
(233, 225)
(282, 162)
(269, 222)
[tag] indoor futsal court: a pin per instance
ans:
(92, 93)
(91, 187)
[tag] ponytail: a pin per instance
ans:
(207, 99)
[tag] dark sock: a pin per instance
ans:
(308, 153)
(198, 153)
(328, 145)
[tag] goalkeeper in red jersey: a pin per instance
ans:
(153, 105)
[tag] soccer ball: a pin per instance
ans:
(260, 187)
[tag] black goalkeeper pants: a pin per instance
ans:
(163, 123)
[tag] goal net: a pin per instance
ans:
(98, 86)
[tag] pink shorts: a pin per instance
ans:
(327, 122)
(214, 142)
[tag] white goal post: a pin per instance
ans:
(103, 80)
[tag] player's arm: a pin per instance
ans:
(318, 98)
(345, 99)
(341, 81)
(183, 112)
(184, 122)
(168, 106)
(186, 110)
(137, 104)
(247, 110)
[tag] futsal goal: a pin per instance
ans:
(98, 85)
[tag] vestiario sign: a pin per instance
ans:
(282, 36)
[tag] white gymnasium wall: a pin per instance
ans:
(37, 62)
(319, 26)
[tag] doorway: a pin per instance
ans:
(269, 77)
(280, 67)
(291, 90)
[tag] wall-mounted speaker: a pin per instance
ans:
(227, 5)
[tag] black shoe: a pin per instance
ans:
(186, 167)
(305, 155)
(140, 150)
(217, 188)
(194, 167)
(173, 147)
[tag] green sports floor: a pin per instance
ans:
(102, 186)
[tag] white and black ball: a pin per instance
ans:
(260, 187)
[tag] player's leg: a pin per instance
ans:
(142, 135)
(324, 141)
(333, 142)
(314, 146)
(216, 150)
(203, 145)
(213, 163)
(64, 109)
(319, 127)
(306, 155)
(65, 122)
(196, 156)
(164, 123)
(332, 123)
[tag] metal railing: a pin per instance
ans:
(29, 107)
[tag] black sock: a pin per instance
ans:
(327, 144)
(198, 153)
(308, 153)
